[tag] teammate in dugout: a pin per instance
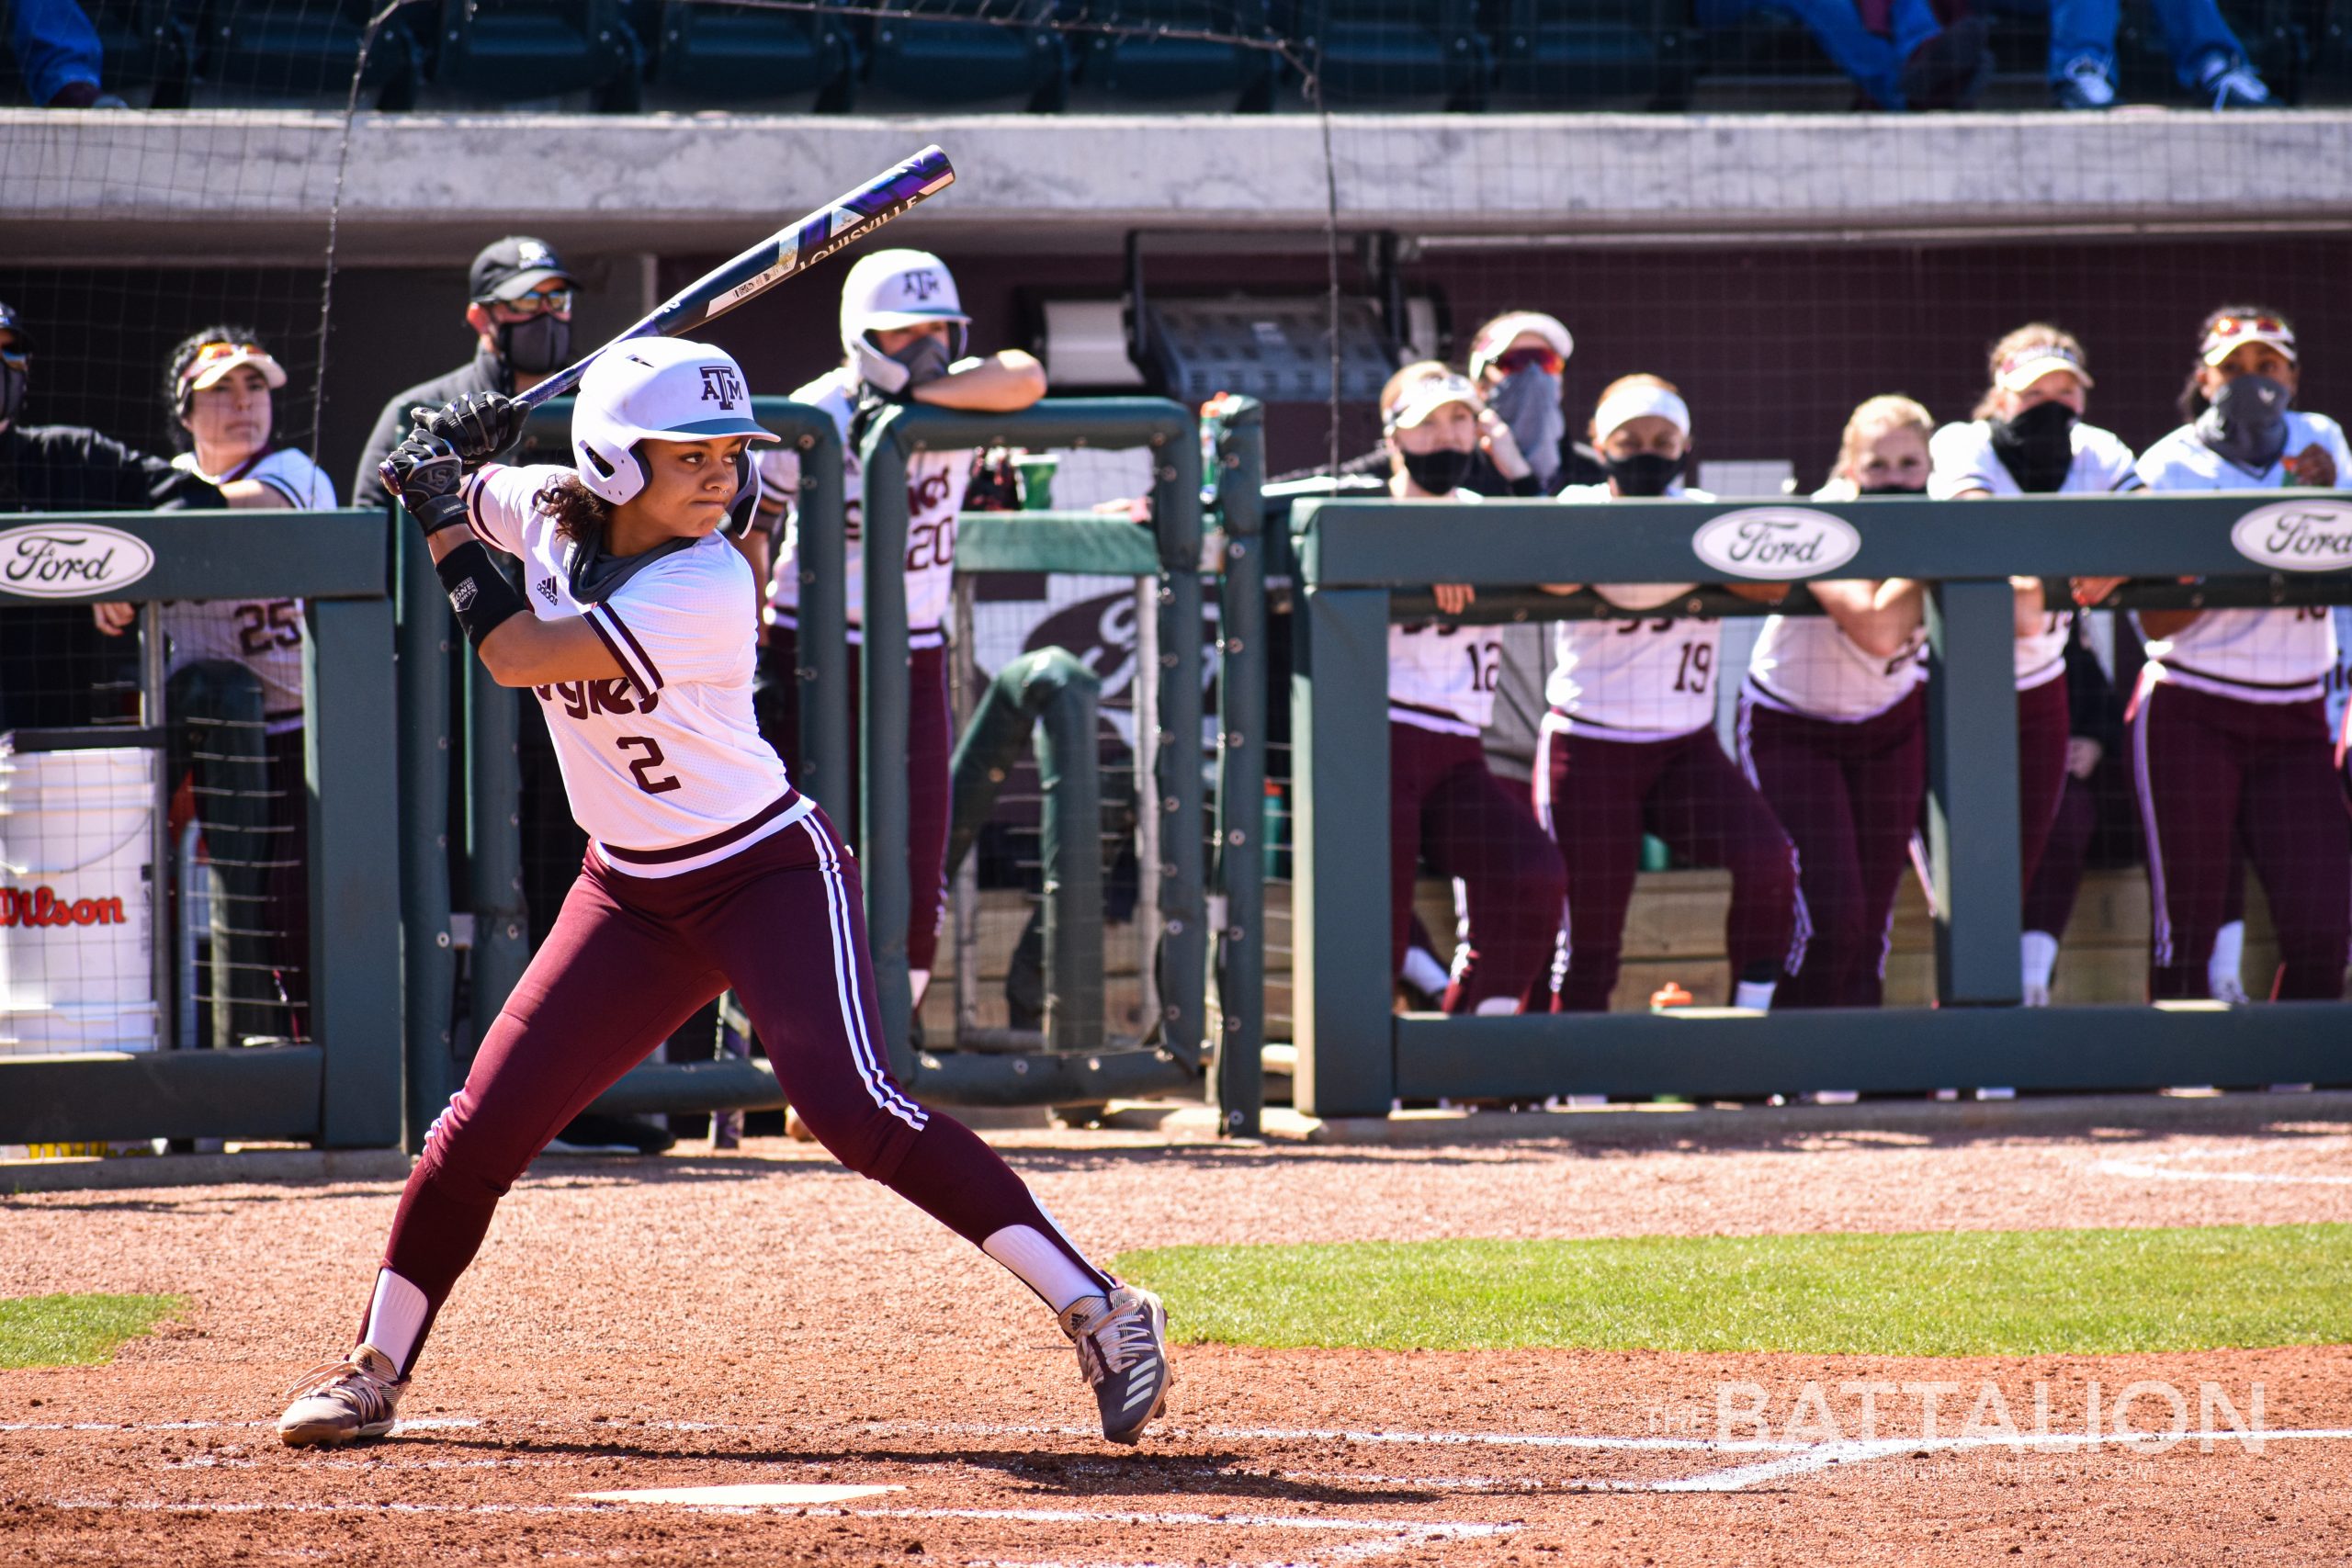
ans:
(234, 696)
(1629, 744)
(1443, 804)
(2230, 742)
(2029, 437)
(1833, 729)
(706, 868)
(903, 332)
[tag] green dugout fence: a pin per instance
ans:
(1362, 563)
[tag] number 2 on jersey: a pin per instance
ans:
(642, 768)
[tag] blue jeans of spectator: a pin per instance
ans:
(1875, 63)
(2085, 30)
(55, 45)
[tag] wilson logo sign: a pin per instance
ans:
(1776, 542)
(2297, 535)
(42, 906)
(70, 563)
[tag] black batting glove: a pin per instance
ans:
(427, 473)
(478, 427)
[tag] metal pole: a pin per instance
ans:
(1972, 791)
(494, 839)
(1144, 700)
(160, 928)
(1239, 1085)
(965, 892)
(429, 962)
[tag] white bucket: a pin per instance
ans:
(76, 939)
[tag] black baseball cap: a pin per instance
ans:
(11, 320)
(511, 267)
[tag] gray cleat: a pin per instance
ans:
(1122, 1349)
(343, 1401)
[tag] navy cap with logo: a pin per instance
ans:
(12, 320)
(511, 267)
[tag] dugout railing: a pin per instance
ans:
(1362, 563)
(342, 1087)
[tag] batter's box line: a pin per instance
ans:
(1862, 1451)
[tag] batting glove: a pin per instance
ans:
(478, 427)
(425, 473)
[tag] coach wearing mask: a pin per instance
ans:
(519, 305)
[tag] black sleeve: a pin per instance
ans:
(138, 481)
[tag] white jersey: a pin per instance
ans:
(663, 765)
(1442, 677)
(1634, 680)
(935, 486)
(1806, 664)
(264, 635)
(2256, 656)
(1962, 458)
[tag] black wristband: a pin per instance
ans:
(479, 592)
(436, 513)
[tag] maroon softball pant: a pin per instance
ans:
(1848, 794)
(1598, 797)
(2212, 770)
(783, 923)
(2043, 719)
(1444, 808)
(931, 747)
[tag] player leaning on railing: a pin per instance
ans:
(2229, 731)
(706, 868)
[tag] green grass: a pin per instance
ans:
(76, 1331)
(1939, 1293)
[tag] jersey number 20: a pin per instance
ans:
(642, 768)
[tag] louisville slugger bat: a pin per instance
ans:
(794, 248)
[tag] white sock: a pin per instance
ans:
(2038, 955)
(918, 981)
(1040, 1265)
(395, 1317)
(2225, 968)
(1755, 994)
(1424, 970)
(1497, 1006)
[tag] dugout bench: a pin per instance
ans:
(342, 1089)
(1362, 563)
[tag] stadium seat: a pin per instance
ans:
(539, 49)
(309, 47)
(1392, 53)
(150, 53)
(945, 55)
(1158, 68)
(1550, 56)
(721, 54)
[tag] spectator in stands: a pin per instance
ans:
(519, 301)
(1630, 744)
(57, 52)
(233, 697)
(2205, 55)
(54, 667)
(1833, 729)
(1898, 53)
(1444, 806)
(2029, 438)
(2230, 742)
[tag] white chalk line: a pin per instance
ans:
(1370, 1434)
(421, 1424)
(2144, 1172)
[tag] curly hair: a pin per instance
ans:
(579, 512)
(183, 355)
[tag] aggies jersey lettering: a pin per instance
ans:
(664, 766)
(264, 635)
(936, 483)
(1962, 458)
(2256, 656)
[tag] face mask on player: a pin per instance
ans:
(536, 345)
(1440, 473)
(1643, 473)
(13, 383)
(1528, 402)
(1893, 489)
(2246, 422)
(2037, 446)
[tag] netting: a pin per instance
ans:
(1291, 199)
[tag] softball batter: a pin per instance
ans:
(706, 868)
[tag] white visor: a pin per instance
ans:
(1499, 334)
(2026, 366)
(1429, 393)
(1642, 399)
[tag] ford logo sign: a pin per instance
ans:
(1776, 542)
(2297, 535)
(57, 562)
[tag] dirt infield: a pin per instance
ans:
(764, 1319)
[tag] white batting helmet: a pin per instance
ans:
(654, 388)
(899, 289)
